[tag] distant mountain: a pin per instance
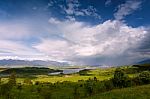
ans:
(147, 61)
(11, 62)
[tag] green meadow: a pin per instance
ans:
(125, 82)
(140, 92)
(100, 74)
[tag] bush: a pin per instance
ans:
(121, 79)
(89, 86)
(76, 93)
(5, 90)
(28, 81)
(12, 79)
(144, 77)
(108, 84)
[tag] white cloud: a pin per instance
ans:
(73, 40)
(56, 49)
(107, 2)
(109, 39)
(127, 8)
(14, 31)
(74, 8)
(15, 48)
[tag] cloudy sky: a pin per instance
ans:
(91, 32)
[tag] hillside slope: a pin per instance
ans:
(140, 92)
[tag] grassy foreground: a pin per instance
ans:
(139, 92)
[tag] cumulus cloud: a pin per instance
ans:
(16, 38)
(127, 8)
(19, 51)
(56, 49)
(15, 48)
(73, 8)
(78, 40)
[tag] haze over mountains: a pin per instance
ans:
(147, 61)
(10, 62)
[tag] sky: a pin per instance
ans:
(80, 32)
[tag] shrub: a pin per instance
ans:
(89, 86)
(12, 79)
(121, 79)
(28, 81)
(76, 93)
(108, 84)
(5, 90)
(144, 77)
(37, 83)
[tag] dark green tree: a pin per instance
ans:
(12, 79)
(144, 77)
(120, 79)
(28, 81)
(5, 90)
(89, 86)
(0, 80)
(76, 92)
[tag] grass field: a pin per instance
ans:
(68, 86)
(140, 92)
(100, 74)
(53, 79)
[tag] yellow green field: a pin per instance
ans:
(100, 74)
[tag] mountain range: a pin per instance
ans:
(147, 61)
(11, 62)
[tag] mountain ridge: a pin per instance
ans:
(12, 62)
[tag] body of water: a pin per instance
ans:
(70, 71)
(67, 71)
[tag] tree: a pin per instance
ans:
(28, 81)
(12, 79)
(120, 78)
(144, 77)
(0, 80)
(89, 86)
(19, 87)
(5, 90)
(95, 79)
(76, 92)
(108, 84)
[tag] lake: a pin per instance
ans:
(67, 71)
(70, 71)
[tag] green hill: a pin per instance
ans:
(140, 92)
(29, 70)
